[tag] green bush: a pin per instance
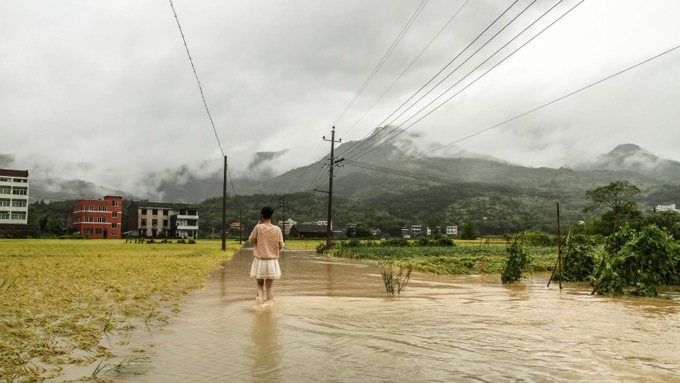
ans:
(637, 262)
(578, 261)
(398, 242)
(518, 262)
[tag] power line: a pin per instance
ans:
(407, 68)
(200, 88)
(476, 79)
(557, 99)
(442, 180)
(379, 130)
(384, 58)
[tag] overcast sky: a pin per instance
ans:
(103, 91)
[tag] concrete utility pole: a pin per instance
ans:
(331, 163)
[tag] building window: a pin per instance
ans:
(114, 214)
(165, 212)
(154, 212)
(143, 211)
(20, 191)
(102, 208)
(154, 222)
(20, 180)
(114, 225)
(88, 231)
(89, 208)
(98, 231)
(89, 219)
(19, 203)
(4, 202)
(5, 190)
(18, 215)
(4, 215)
(143, 222)
(3, 179)
(114, 203)
(101, 219)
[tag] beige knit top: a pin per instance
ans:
(268, 240)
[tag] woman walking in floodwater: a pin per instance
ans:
(268, 241)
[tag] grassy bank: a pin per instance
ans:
(464, 258)
(59, 298)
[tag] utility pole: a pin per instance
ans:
(282, 205)
(224, 207)
(331, 163)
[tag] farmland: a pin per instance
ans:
(60, 298)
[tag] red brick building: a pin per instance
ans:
(98, 218)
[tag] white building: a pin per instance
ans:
(661, 208)
(13, 196)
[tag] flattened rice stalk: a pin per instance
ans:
(60, 298)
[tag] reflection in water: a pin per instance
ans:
(332, 322)
(266, 348)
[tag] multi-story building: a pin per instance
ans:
(13, 197)
(98, 218)
(170, 220)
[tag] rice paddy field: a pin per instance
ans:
(74, 305)
(61, 299)
(466, 257)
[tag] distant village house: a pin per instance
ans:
(162, 219)
(98, 218)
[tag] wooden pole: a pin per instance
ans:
(224, 207)
(558, 262)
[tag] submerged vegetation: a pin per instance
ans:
(60, 298)
(463, 257)
(634, 261)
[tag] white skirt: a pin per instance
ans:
(265, 269)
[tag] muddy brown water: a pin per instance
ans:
(333, 322)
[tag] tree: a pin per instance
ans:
(359, 231)
(468, 231)
(617, 196)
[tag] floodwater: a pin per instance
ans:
(333, 322)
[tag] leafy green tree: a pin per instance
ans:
(668, 221)
(637, 262)
(359, 231)
(468, 231)
(617, 197)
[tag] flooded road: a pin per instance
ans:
(333, 322)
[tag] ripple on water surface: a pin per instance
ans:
(333, 322)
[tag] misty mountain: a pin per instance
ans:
(630, 157)
(380, 166)
(54, 189)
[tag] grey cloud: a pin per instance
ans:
(6, 160)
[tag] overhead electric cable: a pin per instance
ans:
(384, 58)
(406, 70)
(557, 99)
(442, 180)
(200, 88)
(379, 130)
(475, 80)
(399, 172)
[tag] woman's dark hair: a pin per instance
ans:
(267, 212)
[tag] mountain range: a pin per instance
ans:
(376, 166)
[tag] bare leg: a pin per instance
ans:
(260, 289)
(270, 289)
